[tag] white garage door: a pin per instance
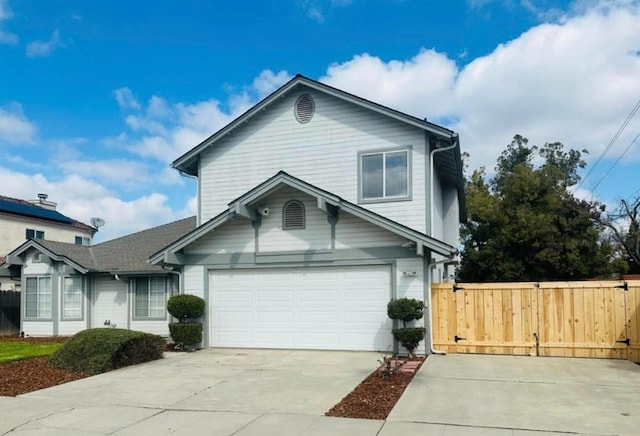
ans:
(331, 308)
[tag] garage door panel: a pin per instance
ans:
(275, 316)
(310, 317)
(233, 317)
(237, 295)
(312, 308)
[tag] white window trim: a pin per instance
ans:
(38, 293)
(82, 302)
(383, 199)
(134, 315)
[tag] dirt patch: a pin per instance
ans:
(375, 396)
(30, 375)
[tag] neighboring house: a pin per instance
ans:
(315, 208)
(69, 287)
(35, 219)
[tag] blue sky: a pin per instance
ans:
(97, 98)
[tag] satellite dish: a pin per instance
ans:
(97, 222)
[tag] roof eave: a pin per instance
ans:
(185, 163)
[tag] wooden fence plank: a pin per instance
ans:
(573, 319)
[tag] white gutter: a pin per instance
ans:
(455, 143)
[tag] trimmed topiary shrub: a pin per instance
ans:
(186, 333)
(103, 349)
(409, 337)
(405, 309)
(185, 306)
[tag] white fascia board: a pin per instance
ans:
(193, 235)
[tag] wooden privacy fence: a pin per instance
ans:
(598, 319)
(9, 313)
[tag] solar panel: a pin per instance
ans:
(33, 211)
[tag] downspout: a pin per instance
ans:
(454, 144)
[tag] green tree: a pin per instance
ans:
(525, 225)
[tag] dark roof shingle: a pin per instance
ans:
(126, 254)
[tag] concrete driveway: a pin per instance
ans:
(214, 391)
(279, 392)
(509, 395)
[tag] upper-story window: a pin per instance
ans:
(34, 234)
(293, 215)
(385, 176)
(81, 240)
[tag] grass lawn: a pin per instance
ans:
(16, 350)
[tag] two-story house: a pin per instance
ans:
(315, 208)
(21, 220)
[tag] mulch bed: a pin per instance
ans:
(30, 375)
(375, 396)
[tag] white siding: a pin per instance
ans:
(109, 302)
(157, 327)
(323, 152)
(37, 328)
(353, 232)
(438, 210)
(69, 328)
(316, 234)
(237, 236)
(451, 233)
(193, 277)
(37, 268)
(411, 287)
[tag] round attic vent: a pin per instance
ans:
(304, 108)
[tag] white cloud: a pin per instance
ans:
(126, 99)
(573, 82)
(316, 9)
(81, 198)
(15, 128)
(114, 172)
(44, 48)
(6, 37)
(164, 131)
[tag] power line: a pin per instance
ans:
(610, 144)
(616, 162)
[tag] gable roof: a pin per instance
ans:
(16, 206)
(187, 162)
(241, 207)
(128, 254)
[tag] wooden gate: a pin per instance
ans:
(570, 319)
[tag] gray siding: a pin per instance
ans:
(323, 152)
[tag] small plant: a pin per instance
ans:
(407, 310)
(102, 349)
(389, 366)
(185, 307)
(409, 337)
(186, 333)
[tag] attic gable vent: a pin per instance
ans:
(304, 108)
(293, 215)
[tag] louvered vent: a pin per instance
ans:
(305, 108)
(293, 215)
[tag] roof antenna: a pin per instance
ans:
(97, 222)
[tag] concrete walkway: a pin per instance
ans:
(269, 392)
(510, 395)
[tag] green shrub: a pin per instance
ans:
(100, 350)
(185, 306)
(186, 333)
(405, 309)
(409, 337)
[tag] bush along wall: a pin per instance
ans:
(407, 310)
(187, 332)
